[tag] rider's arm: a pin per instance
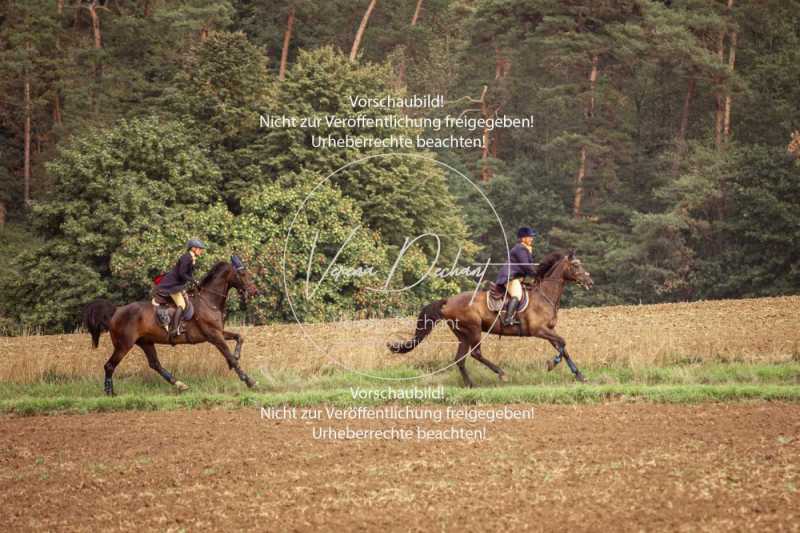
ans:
(185, 269)
(523, 260)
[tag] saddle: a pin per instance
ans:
(165, 308)
(495, 295)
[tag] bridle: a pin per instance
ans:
(551, 280)
(241, 292)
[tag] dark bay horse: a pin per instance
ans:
(137, 324)
(468, 315)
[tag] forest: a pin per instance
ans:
(664, 146)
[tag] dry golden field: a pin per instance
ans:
(751, 330)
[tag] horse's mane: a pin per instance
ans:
(548, 262)
(214, 272)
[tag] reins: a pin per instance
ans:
(201, 289)
(551, 280)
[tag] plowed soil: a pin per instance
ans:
(617, 466)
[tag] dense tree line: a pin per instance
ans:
(661, 147)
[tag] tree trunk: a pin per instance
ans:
(592, 85)
(60, 5)
(27, 162)
(57, 119)
(719, 112)
(402, 74)
(576, 205)
(287, 37)
(793, 148)
(731, 64)
(681, 139)
(2, 214)
(589, 113)
(502, 64)
(416, 13)
(98, 44)
(361, 28)
(98, 37)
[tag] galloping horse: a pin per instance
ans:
(137, 323)
(468, 314)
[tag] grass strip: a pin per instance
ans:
(573, 394)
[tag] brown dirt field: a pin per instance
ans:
(748, 330)
(713, 467)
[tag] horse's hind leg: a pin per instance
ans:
(149, 350)
(120, 351)
(461, 361)
(230, 335)
(476, 353)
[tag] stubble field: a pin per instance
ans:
(691, 422)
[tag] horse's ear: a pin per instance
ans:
(572, 253)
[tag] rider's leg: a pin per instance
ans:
(515, 292)
(180, 302)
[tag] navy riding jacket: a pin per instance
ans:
(520, 265)
(180, 275)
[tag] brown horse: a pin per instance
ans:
(468, 315)
(137, 323)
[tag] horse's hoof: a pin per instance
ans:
(579, 377)
(504, 378)
(251, 383)
(550, 365)
(181, 386)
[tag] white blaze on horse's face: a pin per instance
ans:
(581, 275)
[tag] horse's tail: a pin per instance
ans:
(97, 317)
(428, 317)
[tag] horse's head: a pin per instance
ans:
(574, 271)
(242, 280)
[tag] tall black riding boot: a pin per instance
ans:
(176, 324)
(509, 319)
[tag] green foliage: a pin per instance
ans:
(316, 227)
(109, 185)
(731, 230)
(15, 241)
(664, 215)
(119, 181)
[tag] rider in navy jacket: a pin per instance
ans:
(177, 280)
(520, 265)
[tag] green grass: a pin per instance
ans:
(688, 383)
(578, 394)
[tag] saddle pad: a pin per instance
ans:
(165, 312)
(495, 304)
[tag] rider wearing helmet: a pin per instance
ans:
(520, 265)
(177, 280)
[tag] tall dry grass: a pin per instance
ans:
(752, 330)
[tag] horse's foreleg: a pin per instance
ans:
(120, 351)
(560, 344)
(552, 363)
(577, 373)
(230, 335)
(218, 340)
(149, 350)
